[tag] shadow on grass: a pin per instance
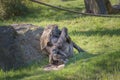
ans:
(98, 32)
(27, 71)
(33, 69)
(81, 56)
(109, 63)
(17, 77)
(42, 13)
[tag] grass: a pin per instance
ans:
(98, 36)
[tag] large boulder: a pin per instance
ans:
(29, 40)
(19, 45)
(9, 50)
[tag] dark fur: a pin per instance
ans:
(57, 44)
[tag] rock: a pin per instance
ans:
(19, 45)
(29, 40)
(10, 54)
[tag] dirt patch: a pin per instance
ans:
(53, 67)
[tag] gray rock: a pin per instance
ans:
(29, 40)
(9, 50)
(19, 45)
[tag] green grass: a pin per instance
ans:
(98, 36)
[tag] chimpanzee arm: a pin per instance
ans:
(62, 39)
(77, 47)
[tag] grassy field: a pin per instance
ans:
(98, 36)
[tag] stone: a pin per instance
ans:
(19, 45)
(10, 55)
(29, 39)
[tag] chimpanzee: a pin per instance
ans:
(57, 44)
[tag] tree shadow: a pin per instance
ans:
(42, 13)
(108, 32)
